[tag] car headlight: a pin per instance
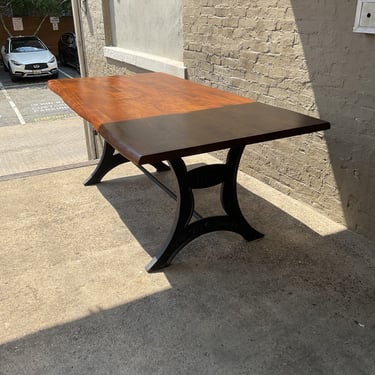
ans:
(52, 60)
(14, 62)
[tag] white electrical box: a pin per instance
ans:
(365, 17)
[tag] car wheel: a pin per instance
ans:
(78, 67)
(62, 59)
(13, 77)
(55, 75)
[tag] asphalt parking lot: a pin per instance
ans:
(30, 100)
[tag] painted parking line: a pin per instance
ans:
(65, 74)
(12, 104)
(27, 85)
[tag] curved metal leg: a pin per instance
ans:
(107, 162)
(185, 207)
(183, 231)
(110, 160)
(160, 166)
(229, 197)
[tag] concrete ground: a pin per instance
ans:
(41, 145)
(75, 298)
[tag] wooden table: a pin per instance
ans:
(155, 117)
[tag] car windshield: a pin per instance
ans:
(26, 45)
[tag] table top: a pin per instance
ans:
(151, 117)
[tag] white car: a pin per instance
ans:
(28, 56)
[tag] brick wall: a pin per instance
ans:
(301, 56)
(293, 54)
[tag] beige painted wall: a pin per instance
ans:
(153, 35)
(296, 54)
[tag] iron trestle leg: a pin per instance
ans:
(109, 160)
(203, 177)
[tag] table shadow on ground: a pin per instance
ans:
(293, 302)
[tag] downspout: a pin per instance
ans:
(77, 6)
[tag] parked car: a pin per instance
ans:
(28, 56)
(68, 53)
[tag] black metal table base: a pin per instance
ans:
(109, 160)
(183, 230)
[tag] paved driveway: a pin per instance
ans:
(29, 100)
(28, 142)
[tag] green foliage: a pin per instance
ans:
(41, 7)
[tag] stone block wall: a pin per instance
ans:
(294, 54)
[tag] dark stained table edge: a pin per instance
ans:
(254, 113)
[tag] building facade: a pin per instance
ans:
(294, 54)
